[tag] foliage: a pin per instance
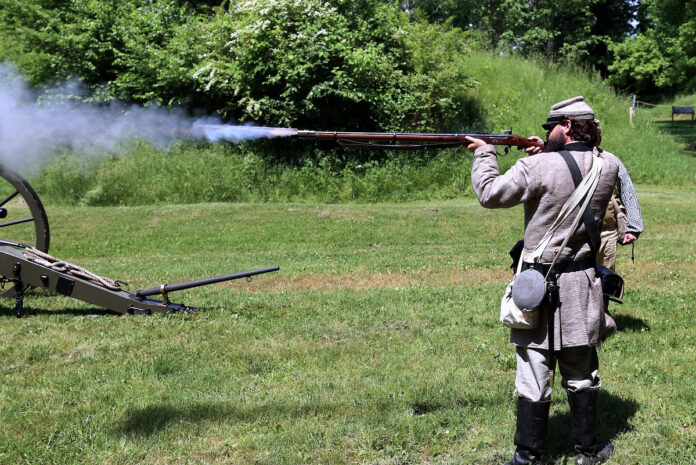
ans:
(513, 92)
(161, 45)
(340, 64)
(442, 83)
(133, 50)
(567, 30)
(228, 173)
(662, 57)
(327, 65)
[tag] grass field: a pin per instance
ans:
(681, 127)
(377, 342)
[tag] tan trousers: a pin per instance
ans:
(606, 255)
(579, 367)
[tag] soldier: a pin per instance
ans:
(568, 331)
(622, 224)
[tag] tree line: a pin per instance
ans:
(645, 46)
(397, 65)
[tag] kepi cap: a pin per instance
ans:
(573, 108)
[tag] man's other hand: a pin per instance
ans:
(628, 238)
(475, 143)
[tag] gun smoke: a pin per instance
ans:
(36, 126)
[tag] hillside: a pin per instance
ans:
(518, 93)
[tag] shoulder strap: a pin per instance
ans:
(588, 214)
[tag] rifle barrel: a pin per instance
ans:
(495, 139)
(166, 288)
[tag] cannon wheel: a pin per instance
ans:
(20, 209)
(22, 218)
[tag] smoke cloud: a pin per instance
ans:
(35, 126)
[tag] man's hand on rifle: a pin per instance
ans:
(535, 150)
(519, 141)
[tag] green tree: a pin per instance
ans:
(161, 48)
(347, 64)
(340, 64)
(134, 50)
(572, 30)
(662, 56)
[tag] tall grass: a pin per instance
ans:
(513, 92)
(227, 173)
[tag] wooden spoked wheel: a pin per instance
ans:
(22, 215)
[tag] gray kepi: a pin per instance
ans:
(573, 108)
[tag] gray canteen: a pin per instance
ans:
(528, 289)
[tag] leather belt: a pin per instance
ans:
(560, 267)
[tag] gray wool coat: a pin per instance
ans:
(543, 183)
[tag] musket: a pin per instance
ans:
(381, 140)
(410, 140)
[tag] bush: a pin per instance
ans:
(341, 64)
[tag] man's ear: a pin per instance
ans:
(566, 124)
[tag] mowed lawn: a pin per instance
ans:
(377, 342)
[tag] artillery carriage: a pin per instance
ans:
(25, 263)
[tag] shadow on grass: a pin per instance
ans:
(8, 310)
(613, 419)
(683, 131)
(148, 420)
(630, 323)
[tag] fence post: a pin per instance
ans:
(632, 110)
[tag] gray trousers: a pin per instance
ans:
(578, 366)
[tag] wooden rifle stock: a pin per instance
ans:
(406, 140)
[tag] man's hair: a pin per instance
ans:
(585, 130)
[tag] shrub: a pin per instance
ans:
(339, 64)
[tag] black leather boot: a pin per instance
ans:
(532, 419)
(583, 409)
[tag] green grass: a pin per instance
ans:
(682, 127)
(377, 342)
